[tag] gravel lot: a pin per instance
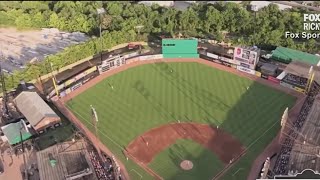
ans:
(19, 47)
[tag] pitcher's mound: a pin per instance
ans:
(186, 165)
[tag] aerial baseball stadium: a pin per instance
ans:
(165, 90)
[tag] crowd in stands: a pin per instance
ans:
(281, 166)
(295, 80)
(103, 168)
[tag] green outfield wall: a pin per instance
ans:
(180, 48)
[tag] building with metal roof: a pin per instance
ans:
(36, 110)
(66, 161)
(12, 132)
(287, 55)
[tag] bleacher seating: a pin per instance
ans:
(281, 165)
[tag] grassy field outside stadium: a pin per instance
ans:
(196, 92)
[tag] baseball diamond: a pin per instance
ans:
(161, 112)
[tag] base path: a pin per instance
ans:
(146, 146)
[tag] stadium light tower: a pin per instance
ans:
(138, 28)
(54, 80)
(265, 168)
(95, 120)
(310, 79)
(254, 8)
(100, 11)
(283, 122)
(23, 154)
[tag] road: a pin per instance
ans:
(294, 4)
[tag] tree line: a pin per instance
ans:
(228, 22)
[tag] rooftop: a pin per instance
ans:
(287, 55)
(12, 132)
(33, 107)
(65, 161)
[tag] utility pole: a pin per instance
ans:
(54, 80)
(5, 109)
(100, 11)
(138, 28)
(24, 158)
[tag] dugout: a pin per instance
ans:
(269, 69)
(180, 48)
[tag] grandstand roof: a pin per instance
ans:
(302, 69)
(287, 55)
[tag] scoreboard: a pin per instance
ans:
(180, 48)
(246, 57)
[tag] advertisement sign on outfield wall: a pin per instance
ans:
(246, 70)
(258, 73)
(214, 56)
(227, 60)
(273, 79)
(284, 84)
(127, 56)
(226, 64)
(299, 89)
(244, 65)
(151, 57)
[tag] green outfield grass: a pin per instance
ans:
(191, 91)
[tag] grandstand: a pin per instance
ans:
(299, 140)
(306, 155)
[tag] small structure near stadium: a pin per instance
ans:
(180, 48)
(37, 112)
(69, 160)
(14, 133)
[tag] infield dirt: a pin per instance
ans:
(146, 146)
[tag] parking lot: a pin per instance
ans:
(21, 47)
